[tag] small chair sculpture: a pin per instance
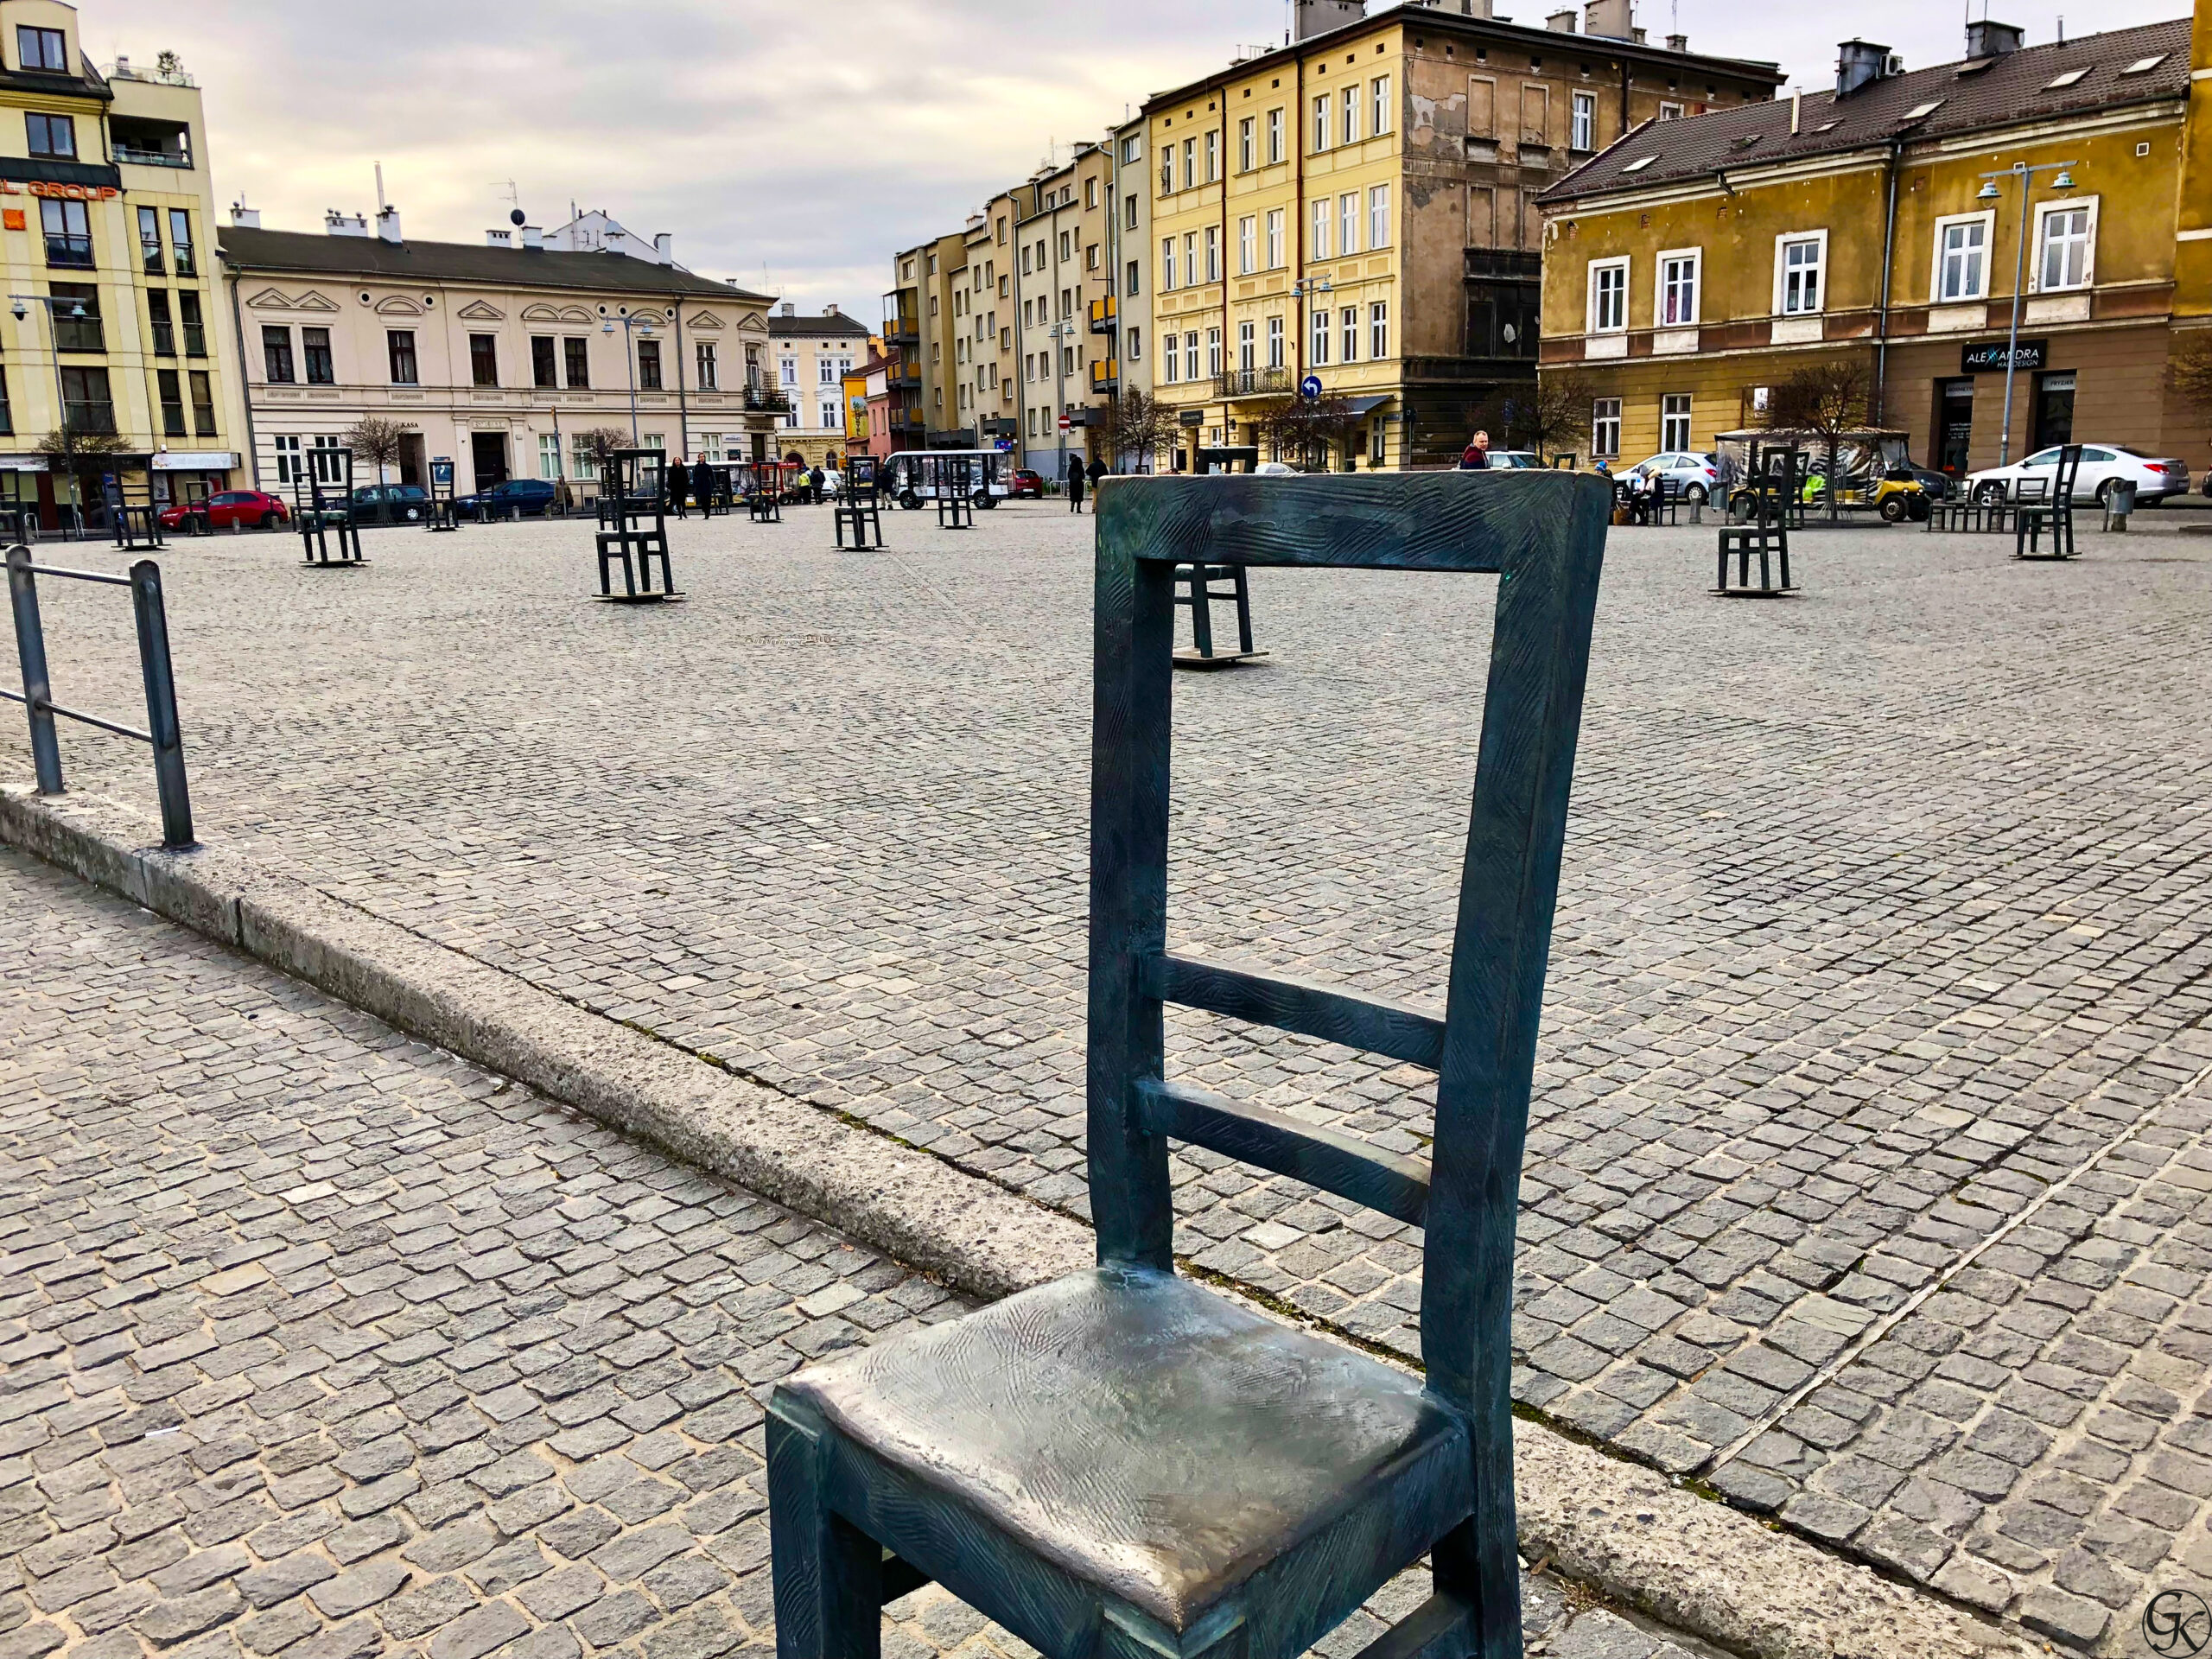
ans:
(955, 486)
(764, 493)
(2049, 508)
(1776, 476)
(133, 514)
(859, 508)
(633, 527)
(1124, 1464)
(440, 514)
(1195, 588)
(324, 506)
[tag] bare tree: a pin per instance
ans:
(1550, 414)
(1307, 429)
(376, 441)
(80, 454)
(1138, 425)
(2190, 373)
(1824, 401)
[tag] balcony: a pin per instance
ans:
(1105, 315)
(1254, 382)
(901, 322)
(1105, 375)
(766, 400)
(1503, 265)
(140, 143)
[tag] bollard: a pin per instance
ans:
(161, 704)
(38, 689)
(2120, 502)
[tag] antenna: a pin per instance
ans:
(507, 193)
(380, 201)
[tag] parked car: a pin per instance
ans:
(530, 496)
(230, 507)
(1023, 482)
(1515, 460)
(1276, 469)
(2102, 466)
(1697, 477)
(397, 501)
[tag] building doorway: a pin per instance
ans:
(412, 468)
(1953, 441)
(489, 451)
(2053, 409)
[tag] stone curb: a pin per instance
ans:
(1627, 1530)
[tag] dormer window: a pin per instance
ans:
(52, 135)
(43, 48)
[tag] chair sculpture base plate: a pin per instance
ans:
(1121, 1460)
(333, 564)
(1218, 659)
(638, 599)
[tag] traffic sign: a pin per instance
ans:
(1310, 389)
(1066, 422)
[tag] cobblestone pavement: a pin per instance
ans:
(1876, 986)
(321, 1342)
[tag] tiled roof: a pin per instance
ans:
(463, 262)
(829, 322)
(1950, 99)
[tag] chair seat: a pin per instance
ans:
(1153, 1441)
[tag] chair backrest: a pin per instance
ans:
(2069, 463)
(1543, 534)
(2030, 489)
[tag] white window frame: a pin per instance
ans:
(1248, 346)
(1213, 353)
(1604, 422)
(2044, 210)
(1593, 322)
(1378, 217)
(1348, 335)
(289, 467)
(1166, 266)
(1669, 110)
(1277, 354)
(1348, 224)
(549, 454)
(1274, 135)
(1191, 353)
(1378, 106)
(1784, 242)
(1667, 416)
(1247, 143)
(1695, 257)
(1213, 253)
(1349, 132)
(1378, 331)
(1322, 104)
(1171, 366)
(1582, 122)
(1322, 213)
(1987, 220)
(1323, 319)
(1247, 244)
(1275, 239)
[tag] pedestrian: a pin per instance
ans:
(1476, 456)
(814, 483)
(679, 487)
(1099, 470)
(1075, 483)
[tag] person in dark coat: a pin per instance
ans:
(1075, 483)
(702, 487)
(1099, 470)
(814, 483)
(1475, 455)
(679, 489)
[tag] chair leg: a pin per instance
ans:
(1201, 610)
(828, 1573)
(1243, 614)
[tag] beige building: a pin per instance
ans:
(497, 357)
(106, 210)
(811, 358)
(1059, 269)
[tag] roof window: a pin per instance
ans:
(1921, 112)
(2067, 79)
(1638, 166)
(2144, 66)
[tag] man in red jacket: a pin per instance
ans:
(1475, 455)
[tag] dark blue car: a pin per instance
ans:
(529, 497)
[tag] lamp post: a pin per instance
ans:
(1060, 331)
(643, 325)
(1989, 192)
(20, 304)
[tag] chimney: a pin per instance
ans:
(664, 244)
(388, 224)
(1319, 16)
(533, 238)
(1859, 63)
(1561, 23)
(1678, 42)
(338, 224)
(830, 310)
(123, 68)
(249, 217)
(1988, 40)
(1609, 19)
(499, 238)
(615, 240)
(790, 310)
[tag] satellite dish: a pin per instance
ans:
(517, 217)
(1511, 333)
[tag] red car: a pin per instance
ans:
(1021, 482)
(249, 507)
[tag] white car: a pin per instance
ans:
(1276, 469)
(2102, 465)
(1697, 477)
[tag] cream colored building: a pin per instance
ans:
(811, 358)
(497, 357)
(106, 208)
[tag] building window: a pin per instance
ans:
(1378, 217)
(1135, 345)
(1583, 134)
(1128, 213)
(1191, 353)
(1352, 115)
(85, 404)
(1274, 136)
(830, 412)
(1166, 172)
(825, 368)
(1248, 346)
(787, 372)
(314, 347)
(1275, 239)
(1247, 244)
(1348, 224)
(194, 326)
(1378, 330)
(549, 454)
(1321, 248)
(1213, 352)
(164, 329)
(2064, 240)
(1675, 421)
(1320, 336)
(483, 361)
(68, 234)
(1213, 253)
(1067, 246)
(275, 345)
(1961, 262)
(1802, 263)
(1245, 149)
(1130, 278)
(1213, 156)
(171, 389)
(1608, 295)
(1670, 112)
(1173, 366)
(1274, 343)
(52, 135)
(1378, 118)
(582, 464)
(203, 403)
(1132, 151)
(649, 365)
(288, 459)
(1677, 289)
(1190, 162)
(399, 348)
(1606, 427)
(543, 368)
(1321, 122)
(180, 242)
(1350, 336)
(77, 324)
(43, 48)
(149, 241)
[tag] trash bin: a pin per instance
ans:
(2119, 501)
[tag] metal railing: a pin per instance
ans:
(163, 736)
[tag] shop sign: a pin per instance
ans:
(1988, 358)
(63, 192)
(1191, 418)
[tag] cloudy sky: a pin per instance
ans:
(792, 146)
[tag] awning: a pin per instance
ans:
(1359, 406)
(196, 461)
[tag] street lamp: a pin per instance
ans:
(1060, 331)
(643, 325)
(20, 304)
(1989, 192)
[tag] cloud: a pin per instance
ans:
(796, 145)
